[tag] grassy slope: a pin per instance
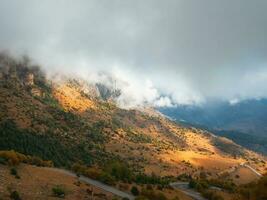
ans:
(37, 183)
(89, 130)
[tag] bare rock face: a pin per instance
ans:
(84, 87)
(107, 93)
(29, 79)
(89, 89)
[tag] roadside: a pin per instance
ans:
(95, 183)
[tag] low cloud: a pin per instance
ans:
(160, 53)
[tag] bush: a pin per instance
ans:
(14, 158)
(135, 191)
(79, 168)
(151, 194)
(119, 170)
(224, 184)
(11, 157)
(2, 161)
(107, 178)
(15, 195)
(93, 173)
(184, 177)
(153, 179)
(13, 171)
(210, 195)
(198, 184)
(58, 191)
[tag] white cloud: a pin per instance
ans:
(163, 102)
(160, 52)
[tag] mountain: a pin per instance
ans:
(244, 122)
(77, 125)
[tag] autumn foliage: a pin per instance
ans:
(14, 158)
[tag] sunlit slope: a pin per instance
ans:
(69, 121)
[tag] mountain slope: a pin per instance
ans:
(69, 122)
(38, 183)
(244, 122)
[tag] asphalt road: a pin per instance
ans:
(251, 168)
(184, 187)
(97, 184)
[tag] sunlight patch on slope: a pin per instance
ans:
(72, 100)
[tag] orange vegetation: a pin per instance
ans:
(71, 99)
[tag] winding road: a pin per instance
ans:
(97, 184)
(251, 169)
(184, 187)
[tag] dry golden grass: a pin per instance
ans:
(243, 175)
(37, 183)
(169, 193)
(71, 99)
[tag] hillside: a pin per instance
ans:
(243, 122)
(70, 121)
(38, 183)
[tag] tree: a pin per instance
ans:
(135, 191)
(15, 195)
(58, 191)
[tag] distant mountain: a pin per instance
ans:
(244, 122)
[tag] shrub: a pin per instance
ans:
(153, 179)
(58, 191)
(11, 157)
(184, 177)
(2, 161)
(13, 171)
(15, 195)
(225, 184)
(210, 195)
(79, 168)
(118, 170)
(93, 173)
(107, 178)
(14, 158)
(151, 194)
(17, 177)
(135, 191)
(198, 184)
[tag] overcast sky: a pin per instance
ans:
(161, 51)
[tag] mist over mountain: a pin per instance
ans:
(160, 53)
